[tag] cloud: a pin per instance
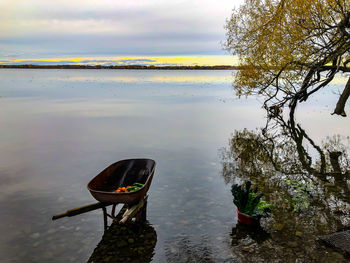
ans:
(144, 27)
(143, 44)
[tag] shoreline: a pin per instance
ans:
(140, 67)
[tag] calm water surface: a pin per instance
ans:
(59, 128)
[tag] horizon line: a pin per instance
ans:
(195, 60)
(145, 67)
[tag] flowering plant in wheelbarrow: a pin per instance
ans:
(250, 207)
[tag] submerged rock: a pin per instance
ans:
(339, 240)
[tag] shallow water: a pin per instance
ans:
(59, 128)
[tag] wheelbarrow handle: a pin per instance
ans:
(80, 210)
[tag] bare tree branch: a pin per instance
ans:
(339, 109)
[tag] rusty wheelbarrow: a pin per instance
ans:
(102, 187)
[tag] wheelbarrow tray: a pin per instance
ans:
(121, 174)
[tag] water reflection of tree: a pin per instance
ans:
(307, 182)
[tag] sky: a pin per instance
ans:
(112, 29)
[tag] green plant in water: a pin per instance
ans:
(248, 200)
(302, 194)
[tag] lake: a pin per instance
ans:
(60, 128)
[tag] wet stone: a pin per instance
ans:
(298, 233)
(247, 249)
(121, 243)
(337, 257)
(279, 227)
(328, 184)
(107, 259)
(247, 241)
(292, 244)
(35, 235)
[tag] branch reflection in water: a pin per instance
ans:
(308, 184)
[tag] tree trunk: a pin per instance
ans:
(334, 157)
(339, 109)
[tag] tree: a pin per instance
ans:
(290, 49)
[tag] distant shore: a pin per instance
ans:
(151, 67)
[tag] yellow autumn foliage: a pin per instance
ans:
(286, 46)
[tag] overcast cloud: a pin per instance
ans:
(37, 28)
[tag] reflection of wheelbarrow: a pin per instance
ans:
(119, 174)
(121, 244)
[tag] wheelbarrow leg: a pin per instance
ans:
(113, 210)
(144, 212)
(105, 222)
(141, 216)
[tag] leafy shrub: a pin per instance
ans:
(248, 200)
